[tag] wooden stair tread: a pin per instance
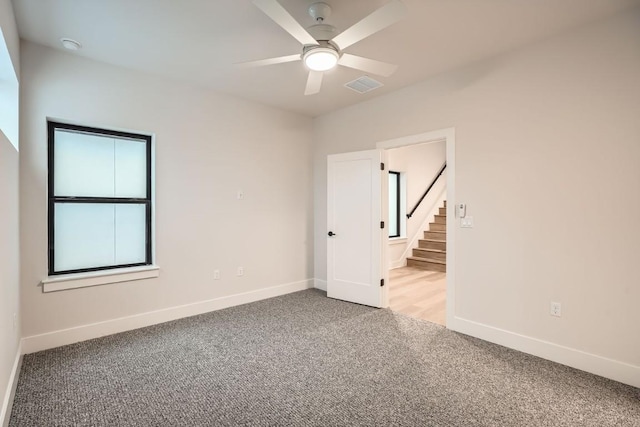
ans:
(431, 250)
(433, 261)
(431, 253)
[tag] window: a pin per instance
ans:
(8, 95)
(99, 207)
(394, 204)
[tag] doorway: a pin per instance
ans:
(357, 238)
(418, 293)
(420, 289)
(417, 230)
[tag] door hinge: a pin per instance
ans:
(381, 166)
(381, 224)
(381, 282)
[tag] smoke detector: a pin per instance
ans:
(70, 44)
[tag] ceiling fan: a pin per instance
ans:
(322, 50)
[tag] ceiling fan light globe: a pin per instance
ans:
(321, 59)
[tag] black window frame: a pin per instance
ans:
(53, 200)
(398, 228)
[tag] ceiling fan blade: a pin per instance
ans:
(313, 83)
(279, 14)
(387, 15)
(269, 61)
(369, 65)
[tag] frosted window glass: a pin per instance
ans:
(393, 204)
(85, 235)
(130, 234)
(83, 164)
(130, 168)
(90, 235)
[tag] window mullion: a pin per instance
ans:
(67, 199)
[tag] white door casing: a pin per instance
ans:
(356, 187)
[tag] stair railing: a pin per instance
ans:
(410, 214)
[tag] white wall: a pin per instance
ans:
(547, 159)
(419, 163)
(9, 236)
(9, 265)
(208, 146)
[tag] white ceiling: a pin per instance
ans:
(199, 40)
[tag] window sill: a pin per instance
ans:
(96, 278)
(397, 240)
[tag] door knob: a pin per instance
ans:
(331, 234)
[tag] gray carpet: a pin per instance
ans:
(306, 360)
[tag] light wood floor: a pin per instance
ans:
(418, 293)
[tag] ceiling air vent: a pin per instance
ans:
(363, 84)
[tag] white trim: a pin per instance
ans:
(451, 219)
(320, 284)
(95, 278)
(421, 138)
(94, 330)
(10, 392)
(448, 135)
(598, 365)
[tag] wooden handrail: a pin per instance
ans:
(410, 214)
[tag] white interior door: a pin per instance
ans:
(355, 256)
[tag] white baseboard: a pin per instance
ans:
(598, 365)
(7, 403)
(320, 284)
(58, 338)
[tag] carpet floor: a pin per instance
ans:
(306, 360)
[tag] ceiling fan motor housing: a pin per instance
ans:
(321, 44)
(322, 31)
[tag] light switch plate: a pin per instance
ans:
(556, 309)
(466, 222)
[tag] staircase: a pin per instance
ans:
(431, 253)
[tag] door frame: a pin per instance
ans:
(448, 135)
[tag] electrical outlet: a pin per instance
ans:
(556, 309)
(466, 222)
(216, 274)
(240, 271)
